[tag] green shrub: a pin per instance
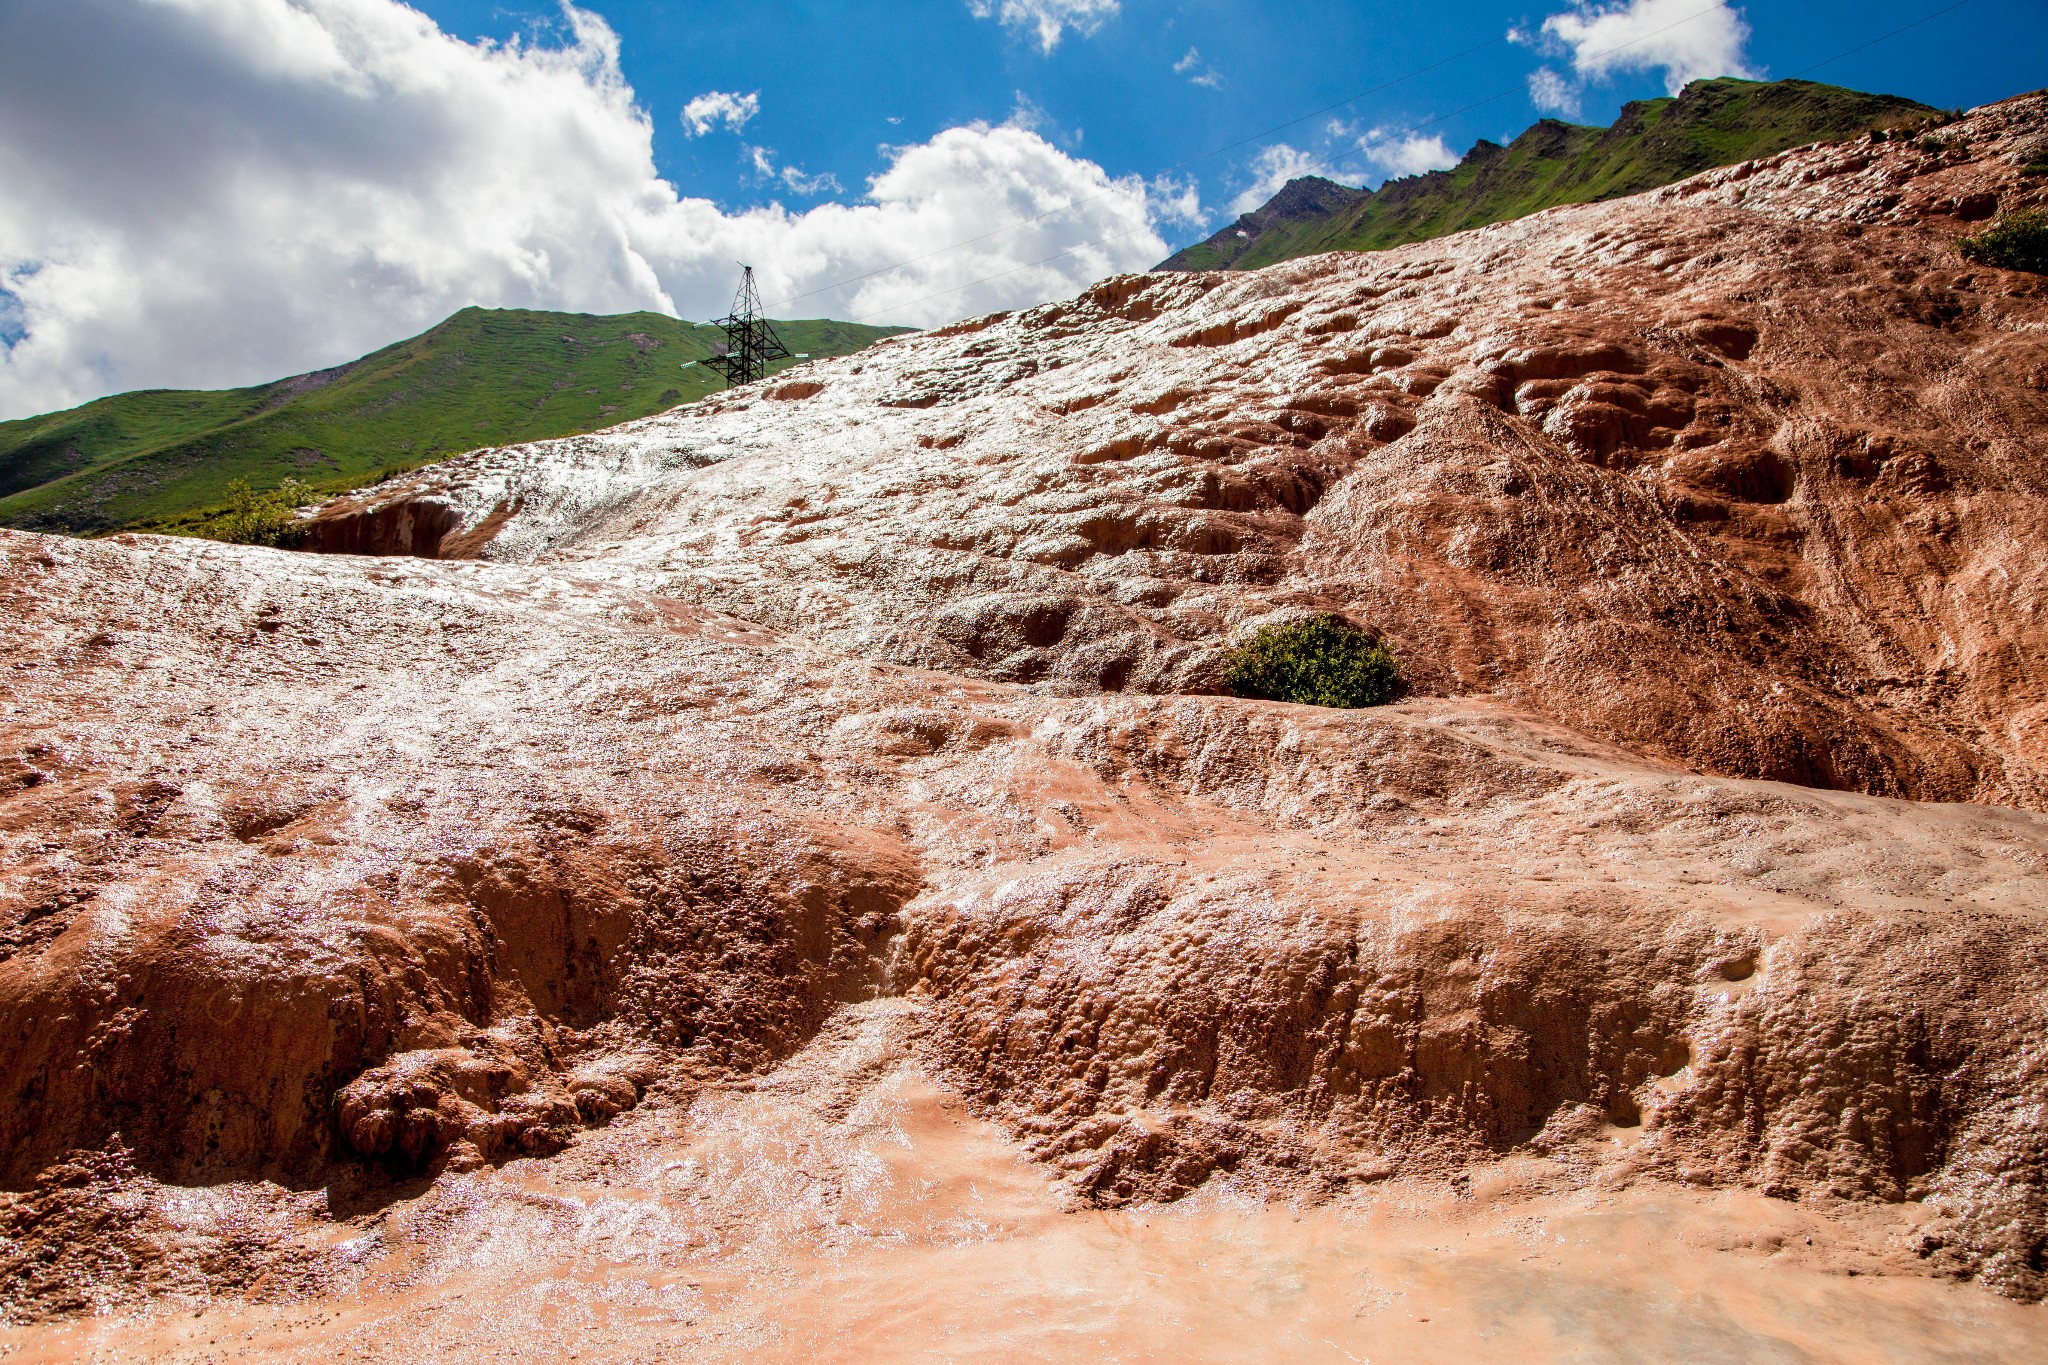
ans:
(253, 518)
(1318, 661)
(2018, 241)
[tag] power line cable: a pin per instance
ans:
(1346, 156)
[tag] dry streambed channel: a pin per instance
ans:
(848, 1207)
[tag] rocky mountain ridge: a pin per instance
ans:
(1652, 143)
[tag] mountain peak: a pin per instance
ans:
(1714, 122)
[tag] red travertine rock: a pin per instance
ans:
(1737, 473)
(1710, 525)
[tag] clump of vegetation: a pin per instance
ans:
(2018, 241)
(253, 518)
(1318, 661)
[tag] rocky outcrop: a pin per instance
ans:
(1738, 474)
(1706, 523)
(389, 526)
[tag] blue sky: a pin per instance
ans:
(838, 80)
(205, 193)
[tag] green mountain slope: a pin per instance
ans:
(1654, 142)
(484, 377)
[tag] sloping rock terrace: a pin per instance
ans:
(1709, 524)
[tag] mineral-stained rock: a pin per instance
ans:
(1741, 473)
(1710, 526)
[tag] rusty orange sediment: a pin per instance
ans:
(780, 881)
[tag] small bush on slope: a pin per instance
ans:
(2018, 241)
(1318, 661)
(253, 518)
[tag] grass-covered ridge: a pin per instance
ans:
(484, 377)
(1653, 143)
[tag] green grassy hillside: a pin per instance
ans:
(1654, 142)
(484, 377)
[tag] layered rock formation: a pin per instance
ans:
(1742, 474)
(1708, 523)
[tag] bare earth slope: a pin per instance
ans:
(794, 779)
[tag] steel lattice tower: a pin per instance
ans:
(750, 343)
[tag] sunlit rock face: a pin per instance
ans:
(1740, 473)
(584, 776)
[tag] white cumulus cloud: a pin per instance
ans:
(201, 193)
(1399, 153)
(798, 183)
(1675, 37)
(792, 178)
(1178, 201)
(1049, 17)
(1552, 93)
(1272, 168)
(1198, 71)
(714, 107)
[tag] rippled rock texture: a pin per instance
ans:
(585, 775)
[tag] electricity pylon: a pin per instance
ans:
(750, 343)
